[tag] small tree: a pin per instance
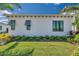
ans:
(74, 8)
(76, 22)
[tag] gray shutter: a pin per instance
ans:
(12, 22)
(28, 22)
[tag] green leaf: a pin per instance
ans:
(9, 6)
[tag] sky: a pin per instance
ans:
(37, 8)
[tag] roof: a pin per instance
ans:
(38, 14)
(3, 23)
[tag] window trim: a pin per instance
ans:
(13, 25)
(58, 27)
(28, 25)
(1, 27)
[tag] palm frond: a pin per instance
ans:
(71, 8)
(10, 6)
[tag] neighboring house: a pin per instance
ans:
(3, 27)
(40, 24)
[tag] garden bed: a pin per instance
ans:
(40, 38)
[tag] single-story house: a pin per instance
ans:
(40, 24)
(3, 27)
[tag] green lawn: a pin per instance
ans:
(38, 49)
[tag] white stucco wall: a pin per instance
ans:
(40, 26)
(4, 27)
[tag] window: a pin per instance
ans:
(12, 24)
(28, 24)
(58, 25)
(0, 27)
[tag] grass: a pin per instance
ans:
(7, 46)
(40, 49)
(76, 52)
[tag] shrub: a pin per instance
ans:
(4, 38)
(46, 38)
(28, 38)
(12, 38)
(63, 38)
(23, 38)
(17, 38)
(58, 38)
(40, 38)
(70, 40)
(35, 38)
(74, 39)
